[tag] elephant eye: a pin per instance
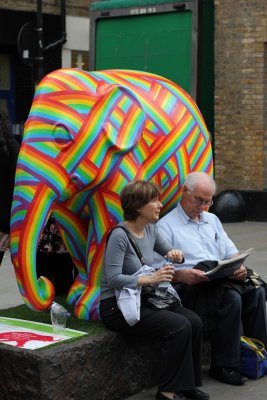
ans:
(61, 135)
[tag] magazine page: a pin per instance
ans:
(226, 268)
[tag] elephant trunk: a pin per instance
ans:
(28, 218)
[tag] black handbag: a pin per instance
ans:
(253, 279)
(149, 297)
(166, 302)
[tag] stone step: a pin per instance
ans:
(104, 367)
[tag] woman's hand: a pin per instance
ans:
(175, 256)
(164, 274)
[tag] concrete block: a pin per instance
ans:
(104, 367)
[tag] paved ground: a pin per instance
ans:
(245, 235)
(9, 292)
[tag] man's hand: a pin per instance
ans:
(189, 276)
(240, 274)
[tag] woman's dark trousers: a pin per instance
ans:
(180, 332)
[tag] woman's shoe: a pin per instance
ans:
(177, 396)
(195, 394)
(160, 396)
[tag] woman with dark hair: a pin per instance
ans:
(9, 148)
(178, 329)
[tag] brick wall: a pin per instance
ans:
(240, 94)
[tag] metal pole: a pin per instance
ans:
(40, 49)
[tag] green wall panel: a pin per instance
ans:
(158, 43)
(170, 38)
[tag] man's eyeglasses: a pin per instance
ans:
(201, 202)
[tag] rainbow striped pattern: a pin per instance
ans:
(87, 135)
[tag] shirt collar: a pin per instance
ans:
(186, 219)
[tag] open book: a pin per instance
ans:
(228, 267)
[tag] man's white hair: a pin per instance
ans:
(196, 177)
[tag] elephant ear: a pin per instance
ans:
(125, 121)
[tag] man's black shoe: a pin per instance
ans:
(195, 394)
(227, 375)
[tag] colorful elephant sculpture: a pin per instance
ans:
(87, 135)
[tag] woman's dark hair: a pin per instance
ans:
(6, 136)
(136, 195)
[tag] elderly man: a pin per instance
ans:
(200, 235)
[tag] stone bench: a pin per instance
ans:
(108, 366)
